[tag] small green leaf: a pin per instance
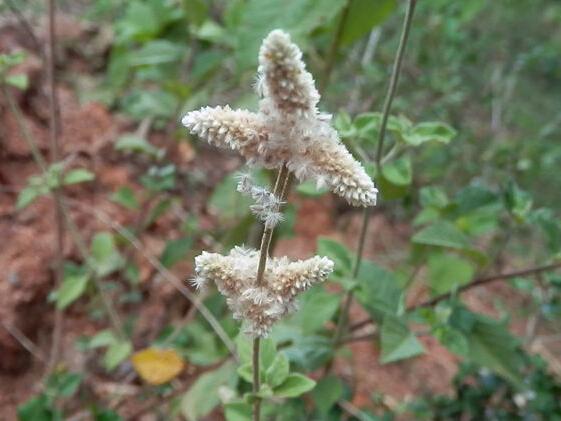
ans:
(316, 306)
(102, 339)
(133, 143)
(399, 172)
(378, 290)
(203, 396)
(126, 198)
(295, 385)
(156, 52)
(17, 81)
(337, 252)
(327, 393)
(117, 352)
(175, 251)
(278, 370)
(38, 409)
(78, 175)
(72, 288)
(429, 131)
(238, 411)
(447, 272)
(443, 234)
(245, 371)
(27, 196)
(363, 15)
(397, 341)
(104, 255)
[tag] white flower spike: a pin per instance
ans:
(288, 129)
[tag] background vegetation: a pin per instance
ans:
(460, 259)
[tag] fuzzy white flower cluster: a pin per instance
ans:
(267, 206)
(259, 306)
(288, 129)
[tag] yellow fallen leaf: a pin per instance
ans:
(157, 366)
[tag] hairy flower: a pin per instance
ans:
(288, 129)
(260, 306)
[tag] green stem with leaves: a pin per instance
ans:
(344, 315)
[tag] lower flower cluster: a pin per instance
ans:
(259, 306)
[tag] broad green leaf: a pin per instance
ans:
(316, 307)
(226, 202)
(245, 371)
(38, 409)
(157, 52)
(442, 234)
(238, 411)
(447, 272)
(203, 396)
(267, 350)
(489, 344)
(363, 15)
(518, 201)
(126, 198)
(133, 143)
(278, 371)
(294, 385)
(307, 351)
(378, 291)
(78, 175)
(344, 125)
(259, 17)
(72, 288)
(117, 352)
(399, 172)
(63, 383)
(140, 104)
(327, 393)
(397, 341)
(427, 132)
(433, 196)
(175, 251)
(105, 257)
(474, 197)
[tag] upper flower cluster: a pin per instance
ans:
(259, 306)
(288, 129)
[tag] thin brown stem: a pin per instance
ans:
(475, 283)
(54, 132)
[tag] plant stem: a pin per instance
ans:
(394, 79)
(256, 379)
(54, 132)
(280, 191)
(335, 46)
(341, 324)
(475, 283)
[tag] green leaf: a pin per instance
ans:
(427, 132)
(78, 175)
(378, 291)
(307, 351)
(309, 188)
(259, 17)
(17, 81)
(447, 272)
(245, 371)
(101, 339)
(203, 396)
(175, 251)
(316, 306)
(267, 354)
(126, 198)
(399, 172)
(105, 257)
(518, 202)
(337, 252)
(489, 344)
(433, 196)
(295, 384)
(106, 415)
(116, 353)
(278, 371)
(133, 143)
(442, 234)
(72, 288)
(27, 196)
(63, 383)
(344, 125)
(157, 52)
(238, 411)
(38, 409)
(327, 393)
(397, 341)
(363, 15)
